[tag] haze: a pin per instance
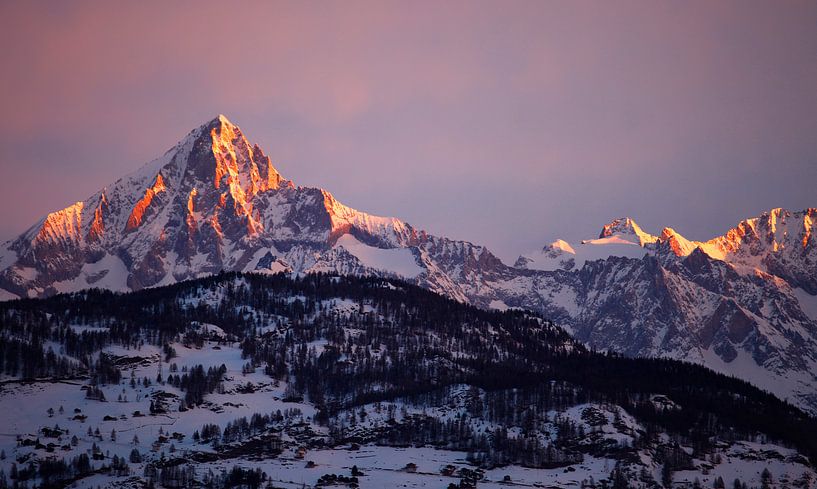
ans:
(508, 124)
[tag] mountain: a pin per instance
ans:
(340, 381)
(212, 202)
(743, 303)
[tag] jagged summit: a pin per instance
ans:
(559, 246)
(628, 229)
(220, 151)
(679, 245)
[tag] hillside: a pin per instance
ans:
(303, 377)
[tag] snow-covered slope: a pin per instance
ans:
(742, 303)
(309, 379)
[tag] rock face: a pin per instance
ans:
(743, 303)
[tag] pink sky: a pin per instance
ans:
(504, 123)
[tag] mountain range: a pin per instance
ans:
(744, 303)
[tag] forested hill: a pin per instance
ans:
(343, 342)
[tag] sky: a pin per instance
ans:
(508, 124)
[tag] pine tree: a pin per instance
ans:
(135, 456)
(766, 479)
(666, 475)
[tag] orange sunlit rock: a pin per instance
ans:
(61, 225)
(97, 228)
(138, 213)
(216, 226)
(190, 204)
(223, 151)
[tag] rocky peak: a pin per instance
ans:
(224, 157)
(558, 248)
(678, 244)
(627, 228)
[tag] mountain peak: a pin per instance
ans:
(222, 154)
(677, 243)
(217, 121)
(559, 247)
(627, 227)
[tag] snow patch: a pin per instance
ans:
(7, 256)
(108, 273)
(28, 273)
(562, 245)
(610, 240)
(808, 303)
(396, 260)
(5, 295)
(565, 257)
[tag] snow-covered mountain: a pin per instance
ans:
(212, 202)
(743, 303)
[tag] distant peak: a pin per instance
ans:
(559, 246)
(626, 226)
(621, 225)
(677, 243)
(668, 232)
